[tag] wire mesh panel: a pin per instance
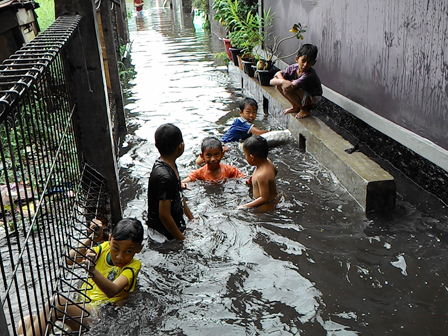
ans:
(47, 200)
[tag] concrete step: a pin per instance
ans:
(369, 184)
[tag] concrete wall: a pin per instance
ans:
(386, 55)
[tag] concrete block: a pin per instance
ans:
(369, 184)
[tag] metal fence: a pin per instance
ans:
(47, 196)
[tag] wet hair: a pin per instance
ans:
(128, 229)
(248, 101)
(257, 146)
(210, 143)
(309, 50)
(168, 137)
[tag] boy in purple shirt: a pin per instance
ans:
(299, 83)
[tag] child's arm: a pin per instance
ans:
(186, 180)
(278, 79)
(108, 287)
(96, 234)
(263, 187)
(183, 183)
(187, 210)
(257, 131)
(168, 220)
(199, 161)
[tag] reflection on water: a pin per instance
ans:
(316, 265)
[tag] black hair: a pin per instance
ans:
(310, 50)
(128, 228)
(168, 137)
(210, 143)
(257, 146)
(248, 101)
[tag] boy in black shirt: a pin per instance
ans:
(166, 205)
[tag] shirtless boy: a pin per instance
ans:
(263, 180)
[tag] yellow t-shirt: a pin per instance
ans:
(106, 267)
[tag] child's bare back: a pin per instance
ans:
(263, 179)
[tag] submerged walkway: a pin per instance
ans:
(314, 266)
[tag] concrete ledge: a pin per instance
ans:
(371, 186)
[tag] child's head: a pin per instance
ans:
(211, 143)
(306, 56)
(255, 147)
(248, 109)
(125, 241)
(211, 151)
(168, 139)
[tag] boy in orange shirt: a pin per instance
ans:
(213, 171)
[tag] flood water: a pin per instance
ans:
(316, 265)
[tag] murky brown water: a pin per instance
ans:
(314, 266)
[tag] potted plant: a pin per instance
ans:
(253, 34)
(240, 18)
(265, 68)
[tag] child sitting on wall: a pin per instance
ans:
(299, 83)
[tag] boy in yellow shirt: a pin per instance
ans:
(113, 271)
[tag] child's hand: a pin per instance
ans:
(249, 181)
(287, 86)
(96, 230)
(90, 260)
(184, 186)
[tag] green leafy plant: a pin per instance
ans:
(272, 47)
(45, 13)
(126, 70)
(221, 58)
(245, 26)
(230, 12)
(203, 7)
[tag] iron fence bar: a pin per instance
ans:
(45, 39)
(38, 153)
(31, 227)
(41, 201)
(43, 286)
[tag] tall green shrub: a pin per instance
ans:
(45, 13)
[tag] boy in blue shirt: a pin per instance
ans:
(299, 83)
(243, 127)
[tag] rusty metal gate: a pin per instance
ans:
(48, 196)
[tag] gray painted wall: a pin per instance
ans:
(387, 55)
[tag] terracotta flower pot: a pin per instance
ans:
(227, 45)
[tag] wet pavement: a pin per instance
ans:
(316, 265)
